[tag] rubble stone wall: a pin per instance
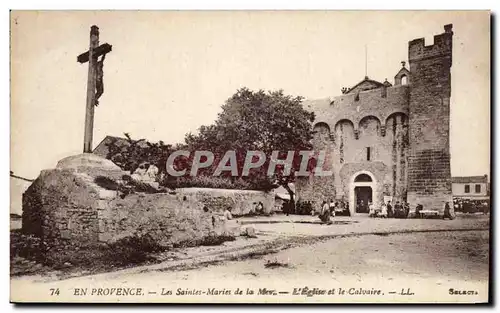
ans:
(242, 202)
(66, 205)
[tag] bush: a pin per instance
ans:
(210, 240)
(26, 246)
(128, 186)
(131, 250)
(56, 254)
(107, 183)
(210, 182)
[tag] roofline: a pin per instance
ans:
(104, 139)
(469, 179)
(366, 80)
(473, 176)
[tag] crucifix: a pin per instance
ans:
(94, 82)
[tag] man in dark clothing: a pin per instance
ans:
(398, 210)
(447, 212)
(407, 209)
(417, 210)
(389, 209)
(286, 208)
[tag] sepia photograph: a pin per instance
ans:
(250, 157)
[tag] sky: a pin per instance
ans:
(170, 71)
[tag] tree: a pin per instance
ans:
(259, 121)
(249, 121)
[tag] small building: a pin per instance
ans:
(470, 187)
(102, 149)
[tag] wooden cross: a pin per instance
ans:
(91, 56)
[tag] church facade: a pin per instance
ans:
(388, 141)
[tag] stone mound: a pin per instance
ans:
(65, 205)
(92, 165)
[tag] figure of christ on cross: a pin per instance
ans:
(95, 87)
(99, 87)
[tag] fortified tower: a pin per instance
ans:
(429, 174)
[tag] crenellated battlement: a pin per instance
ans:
(417, 50)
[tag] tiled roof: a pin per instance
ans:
(469, 179)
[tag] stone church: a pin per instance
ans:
(389, 141)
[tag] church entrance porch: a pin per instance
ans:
(363, 196)
(362, 190)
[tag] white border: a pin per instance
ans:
(191, 4)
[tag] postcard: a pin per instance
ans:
(250, 157)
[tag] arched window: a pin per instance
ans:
(404, 80)
(362, 178)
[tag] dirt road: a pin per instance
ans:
(428, 265)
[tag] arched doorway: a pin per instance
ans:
(361, 191)
(362, 196)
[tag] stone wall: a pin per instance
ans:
(61, 204)
(166, 218)
(380, 103)
(346, 149)
(242, 202)
(66, 204)
(316, 189)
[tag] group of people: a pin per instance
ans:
(471, 206)
(258, 208)
(403, 210)
(386, 210)
(315, 208)
(330, 209)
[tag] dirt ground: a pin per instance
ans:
(428, 263)
(444, 256)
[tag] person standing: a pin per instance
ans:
(448, 212)
(407, 209)
(389, 209)
(383, 212)
(417, 210)
(345, 206)
(332, 208)
(231, 226)
(383, 208)
(325, 213)
(398, 210)
(371, 210)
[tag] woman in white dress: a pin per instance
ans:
(383, 211)
(371, 212)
